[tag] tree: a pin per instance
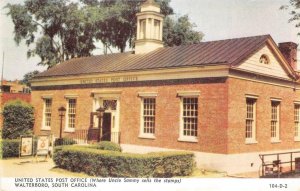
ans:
(62, 29)
(293, 7)
(180, 32)
(28, 76)
(59, 29)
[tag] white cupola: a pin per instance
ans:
(149, 28)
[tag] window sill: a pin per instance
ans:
(250, 142)
(188, 139)
(147, 136)
(46, 129)
(297, 139)
(275, 141)
(69, 130)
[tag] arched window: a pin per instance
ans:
(264, 59)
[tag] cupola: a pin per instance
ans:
(149, 28)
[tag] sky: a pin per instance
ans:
(222, 19)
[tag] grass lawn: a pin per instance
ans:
(69, 173)
(196, 174)
(206, 174)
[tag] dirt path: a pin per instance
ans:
(29, 168)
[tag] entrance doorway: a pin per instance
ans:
(106, 127)
(110, 130)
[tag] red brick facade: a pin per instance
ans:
(212, 115)
(237, 113)
(222, 111)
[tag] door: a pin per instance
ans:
(106, 127)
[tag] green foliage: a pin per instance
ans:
(109, 146)
(59, 29)
(180, 32)
(18, 119)
(9, 148)
(64, 141)
(115, 164)
(28, 76)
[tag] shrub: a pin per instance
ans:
(64, 141)
(109, 146)
(18, 119)
(10, 148)
(116, 164)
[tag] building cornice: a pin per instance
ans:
(262, 78)
(135, 76)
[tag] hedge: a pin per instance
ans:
(116, 164)
(9, 148)
(109, 146)
(18, 119)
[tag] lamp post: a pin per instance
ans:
(100, 113)
(61, 112)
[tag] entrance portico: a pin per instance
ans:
(110, 102)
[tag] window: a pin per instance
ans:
(148, 111)
(251, 120)
(275, 121)
(297, 121)
(156, 34)
(148, 118)
(189, 119)
(47, 114)
(143, 29)
(264, 59)
(71, 115)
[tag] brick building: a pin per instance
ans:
(226, 100)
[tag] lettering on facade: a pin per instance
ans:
(109, 80)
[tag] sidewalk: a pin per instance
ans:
(28, 167)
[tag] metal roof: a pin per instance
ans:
(230, 52)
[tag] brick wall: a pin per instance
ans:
(237, 116)
(83, 109)
(222, 113)
(212, 127)
(212, 117)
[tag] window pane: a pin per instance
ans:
(47, 112)
(190, 116)
(149, 115)
(275, 119)
(296, 120)
(250, 118)
(71, 113)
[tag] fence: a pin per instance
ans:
(85, 136)
(80, 136)
(280, 164)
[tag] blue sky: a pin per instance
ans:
(221, 19)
